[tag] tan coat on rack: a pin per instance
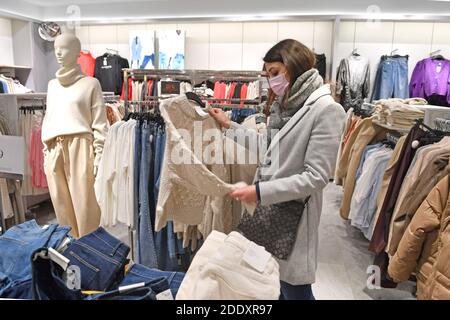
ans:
(425, 246)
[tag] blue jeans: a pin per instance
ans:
(139, 273)
(101, 258)
(239, 115)
(48, 284)
(47, 281)
(16, 246)
(391, 79)
(165, 240)
(290, 292)
(147, 251)
(137, 165)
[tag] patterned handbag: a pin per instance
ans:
(274, 226)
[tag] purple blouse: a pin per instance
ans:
(430, 77)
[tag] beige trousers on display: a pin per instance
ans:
(69, 167)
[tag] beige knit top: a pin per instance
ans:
(190, 190)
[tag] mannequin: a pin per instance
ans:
(73, 132)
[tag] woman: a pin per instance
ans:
(301, 157)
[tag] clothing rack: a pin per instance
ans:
(195, 77)
(442, 124)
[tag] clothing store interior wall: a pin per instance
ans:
(241, 45)
(368, 198)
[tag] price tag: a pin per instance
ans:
(256, 257)
(165, 295)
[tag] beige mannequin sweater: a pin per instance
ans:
(74, 109)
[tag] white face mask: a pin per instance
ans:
(279, 84)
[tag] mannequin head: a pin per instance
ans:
(67, 50)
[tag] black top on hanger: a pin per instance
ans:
(432, 135)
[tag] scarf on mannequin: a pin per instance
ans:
(300, 91)
(68, 76)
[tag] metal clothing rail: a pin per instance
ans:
(195, 77)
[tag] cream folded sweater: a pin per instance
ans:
(75, 108)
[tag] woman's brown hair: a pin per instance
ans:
(297, 59)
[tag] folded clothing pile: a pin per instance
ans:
(400, 113)
(98, 268)
(231, 268)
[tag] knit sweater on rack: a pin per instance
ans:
(188, 189)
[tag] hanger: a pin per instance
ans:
(393, 51)
(108, 51)
(435, 55)
(432, 135)
(355, 52)
(194, 97)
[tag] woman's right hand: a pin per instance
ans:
(221, 118)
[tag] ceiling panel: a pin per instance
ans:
(109, 10)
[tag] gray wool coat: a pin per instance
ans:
(299, 163)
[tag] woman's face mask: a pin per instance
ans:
(279, 84)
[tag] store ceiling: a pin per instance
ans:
(103, 11)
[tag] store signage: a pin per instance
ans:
(12, 155)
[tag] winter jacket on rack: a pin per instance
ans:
(425, 246)
(430, 165)
(386, 180)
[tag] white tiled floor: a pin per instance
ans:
(344, 258)
(343, 255)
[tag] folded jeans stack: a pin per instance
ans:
(16, 247)
(28, 272)
(49, 284)
(101, 259)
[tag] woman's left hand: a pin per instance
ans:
(246, 194)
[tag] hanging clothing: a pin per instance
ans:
(108, 70)
(367, 187)
(429, 80)
(432, 158)
(391, 80)
(425, 245)
(33, 184)
(379, 239)
(187, 188)
(321, 64)
(35, 152)
(87, 63)
(386, 180)
(353, 81)
(365, 133)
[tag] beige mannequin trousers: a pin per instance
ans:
(69, 167)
